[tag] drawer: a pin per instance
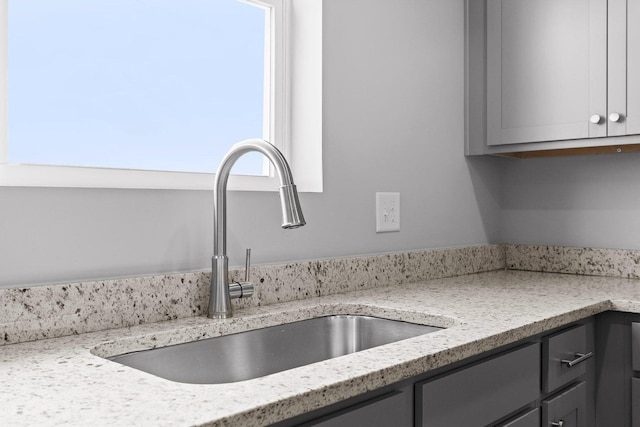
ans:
(567, 408)
(391, 409)
(635, 345)
(565, 357)
(530, 419)
(482, 393)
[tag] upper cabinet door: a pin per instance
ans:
(546, 70)
(631, 41)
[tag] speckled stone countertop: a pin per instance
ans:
(66, 381)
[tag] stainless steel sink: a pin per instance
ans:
(260, 352)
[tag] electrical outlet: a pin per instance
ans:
(387, 212)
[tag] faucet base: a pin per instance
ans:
(219, 315)
(219, 300)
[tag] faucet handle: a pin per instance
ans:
(240, 290)
(243, 289)
(247, 265)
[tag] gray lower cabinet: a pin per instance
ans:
(568, 377)
(483, 393)
(387, 410)
(529, 419)
(635, 366)
(618, 372)
(567, 355)
(613, 372)
(635, 346)
(567, 408)
(547, 379)
(635, 402)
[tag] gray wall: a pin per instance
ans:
(393, 121)
(591, 201)
(393, 109)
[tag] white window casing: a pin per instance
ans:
(294, 122)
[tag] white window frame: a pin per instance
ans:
(295, 73)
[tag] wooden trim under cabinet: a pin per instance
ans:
(610, 149)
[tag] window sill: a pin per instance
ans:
(84, 177)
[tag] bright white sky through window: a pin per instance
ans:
(135, 84)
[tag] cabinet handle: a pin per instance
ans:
(557, 423)
(580, 357)
(615, 117)
(595, 119)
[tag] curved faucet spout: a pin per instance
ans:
(220, 300)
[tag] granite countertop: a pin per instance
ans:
(66, 381)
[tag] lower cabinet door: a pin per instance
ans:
(635, 402)
(384, 411)
(567, 408)
(481, 394)
(530, 419)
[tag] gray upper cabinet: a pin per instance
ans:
(551, 74)
(546, 70)
(624, 66)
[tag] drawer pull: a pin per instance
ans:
(580, 357)
(557, 423)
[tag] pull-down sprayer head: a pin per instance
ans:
(291, 211)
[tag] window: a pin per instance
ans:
(107, 82)
(135, 84)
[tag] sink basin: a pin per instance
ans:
(260, 352)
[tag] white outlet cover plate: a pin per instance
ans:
(387, 212)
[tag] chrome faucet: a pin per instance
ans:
(221, 291)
